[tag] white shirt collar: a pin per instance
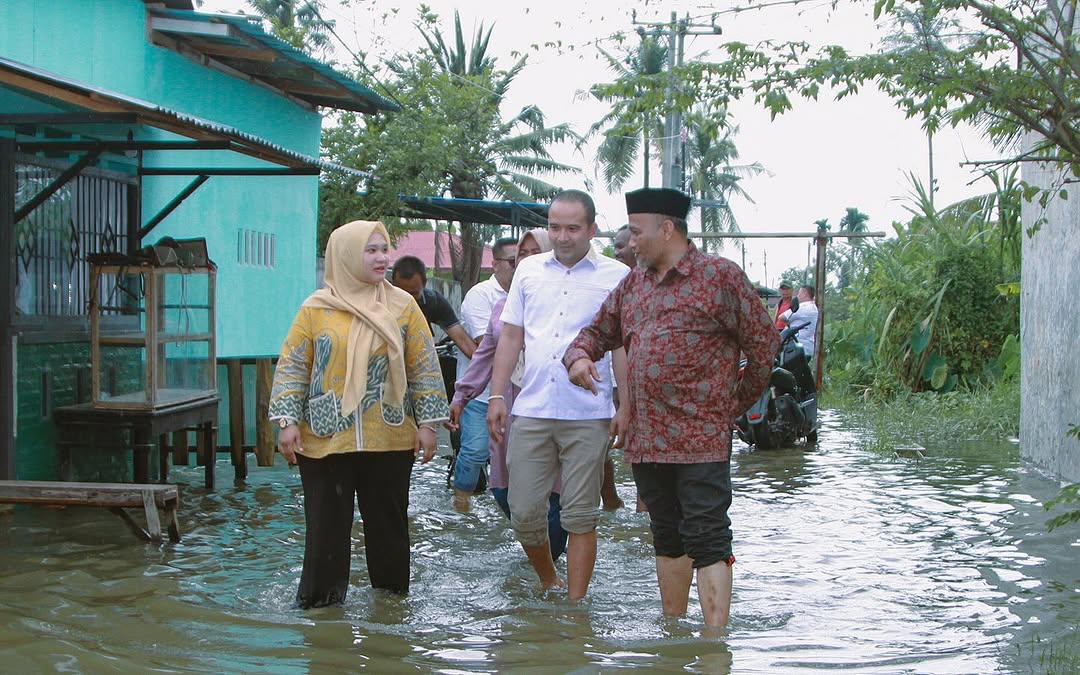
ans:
(591, 256)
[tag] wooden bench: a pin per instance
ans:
(113, 496)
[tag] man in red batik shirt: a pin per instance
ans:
(683, 318)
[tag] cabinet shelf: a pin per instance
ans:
(139, 339)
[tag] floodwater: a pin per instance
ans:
(848, 558)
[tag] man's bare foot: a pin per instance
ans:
(555, 584)
(461, 501)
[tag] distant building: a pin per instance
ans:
(433, 248)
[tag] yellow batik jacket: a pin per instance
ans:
(310, 379)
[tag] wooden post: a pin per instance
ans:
(7, 308)
(236, 418)
(209, 455)
(163, 457)
(180, 448)
(819, 299)
(141, 454)
(264, 431)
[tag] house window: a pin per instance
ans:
(88, 215)
(256, 249)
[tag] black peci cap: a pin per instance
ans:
(665, 201)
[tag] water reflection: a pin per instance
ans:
(847, 558)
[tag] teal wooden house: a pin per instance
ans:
(122, 122)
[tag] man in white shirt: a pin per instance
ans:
(475, 313)
(560, 431)
(807, 317)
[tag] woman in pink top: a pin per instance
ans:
(476, 380)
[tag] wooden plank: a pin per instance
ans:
(84, 494)
(190, 28)
(153, 525)
(264, 430)
(236, 419)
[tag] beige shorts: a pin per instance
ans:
(539, 452)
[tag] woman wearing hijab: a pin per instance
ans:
(357, 394)
(475, 381)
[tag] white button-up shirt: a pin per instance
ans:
(552, 303)
(475, 314)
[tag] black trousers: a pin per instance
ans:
(380, 483)
(688, 509)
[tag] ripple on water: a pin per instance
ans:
(848, 559)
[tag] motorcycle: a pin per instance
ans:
(787, 410)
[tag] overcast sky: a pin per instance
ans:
(821, 157)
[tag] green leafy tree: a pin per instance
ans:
(632, 124)
(713, 176)
(298, 22)
(1013, 73)
(449, 139)
(926, 29)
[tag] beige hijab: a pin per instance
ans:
(375, 309)
(540, 235)
(543, 240)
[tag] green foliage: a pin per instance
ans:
(1069, 495)
(712, 174)
(1011, 69)
(297, 22)
(931, 418)
(631, 123)
(923, 310)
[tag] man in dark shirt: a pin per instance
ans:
(683, 318)
(410, 275)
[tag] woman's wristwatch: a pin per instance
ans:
(285, 422)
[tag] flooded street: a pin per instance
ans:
(847, 558)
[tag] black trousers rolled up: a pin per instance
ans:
(380, 483)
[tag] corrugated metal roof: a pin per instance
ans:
(516, 214)
(229, 48)
(36, 80)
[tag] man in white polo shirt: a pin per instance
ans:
(559, 430)
(475, 313)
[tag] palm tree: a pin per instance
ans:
(515, 150)
(297, 22)
(923, 30)
(712, 176)
(629, 126)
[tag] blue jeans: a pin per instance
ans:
(474, 452)
(556, 535)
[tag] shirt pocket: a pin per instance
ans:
(323, 414)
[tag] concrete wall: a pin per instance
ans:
(105, 43)
(1050, 330)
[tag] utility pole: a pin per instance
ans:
(673, 145)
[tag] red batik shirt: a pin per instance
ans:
(683, 336)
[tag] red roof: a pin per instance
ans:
(422, 244)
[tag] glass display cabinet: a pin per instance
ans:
(152, 333)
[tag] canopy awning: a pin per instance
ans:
(100, 106)
(239, 43)
(488, 212)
